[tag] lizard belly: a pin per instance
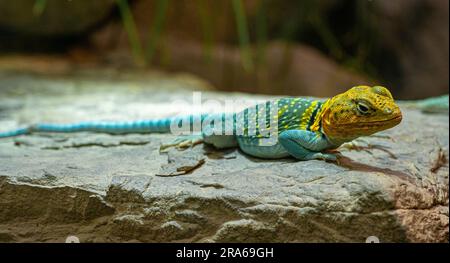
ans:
(252, 147)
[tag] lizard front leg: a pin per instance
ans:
(306, 145)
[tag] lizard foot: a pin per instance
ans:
(182, 142)
(353, 145)
(329, 157)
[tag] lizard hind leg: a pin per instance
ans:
(221, 141)
(207, 136)
(182, 142)
(186, 141)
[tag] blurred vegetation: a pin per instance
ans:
(130, 27)
(39, 6)
(244, 39)
(347, 33)
(351, 43)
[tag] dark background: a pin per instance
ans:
(292, 47)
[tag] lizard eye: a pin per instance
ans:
(363, 108)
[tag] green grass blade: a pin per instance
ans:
(207, 29)
(156, 29)
(261, 31)
(132, 32)
(244, 39)
(39, 7)
(328, 38)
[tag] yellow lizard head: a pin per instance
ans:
(360, 111)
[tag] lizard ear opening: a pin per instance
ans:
(382, 91)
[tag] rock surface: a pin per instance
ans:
(105, 188)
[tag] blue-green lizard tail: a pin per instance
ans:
(141, 126)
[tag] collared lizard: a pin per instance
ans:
(304, 128)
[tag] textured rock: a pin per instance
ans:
(104, 188)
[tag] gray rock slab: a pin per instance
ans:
(109, 188)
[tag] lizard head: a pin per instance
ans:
(360, 111)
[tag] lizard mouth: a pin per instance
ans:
(395, 120)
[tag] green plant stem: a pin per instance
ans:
(156, 29)
(132, 32)
(39, 7)
(207, 29)
(327, 36)
(244, 38)
(261, 31)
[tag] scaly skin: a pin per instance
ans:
(346, 118)
(304, 128)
